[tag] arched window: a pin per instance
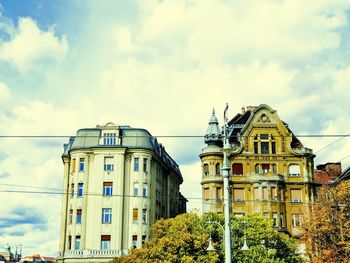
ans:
(217, 169)
(205, 169)
(257, 169)
(237, 169)
(294, 170)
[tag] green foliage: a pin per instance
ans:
(185, 239)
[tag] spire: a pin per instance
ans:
(213, 134)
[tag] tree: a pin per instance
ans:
(327, 228)
(185, 239)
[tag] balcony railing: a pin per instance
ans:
(93, 253)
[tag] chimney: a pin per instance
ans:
(243, 110)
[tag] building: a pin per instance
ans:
(271, 171)
(118, 181)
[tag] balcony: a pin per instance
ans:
(92, 253)
(303, 150)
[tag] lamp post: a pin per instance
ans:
(227, 206)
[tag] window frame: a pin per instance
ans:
(106, 215)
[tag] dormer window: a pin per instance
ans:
(110, 139)
(264, 144)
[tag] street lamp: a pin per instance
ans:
(210, 247)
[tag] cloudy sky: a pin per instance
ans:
(163, 66)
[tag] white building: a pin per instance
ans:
(118, 181)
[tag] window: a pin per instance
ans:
(238, 194)
(273, 193)
(294, 170)
(274, 168)
(81, 164)
(295, 195)
(110, 139)
(273, 147)
(206, 194)
(266, 214)
(135, 215)
(256, 148)
(72, 190)
(69, 242)
(70, 216)
(144, 216)
(80, 190)
(77, 242)
(265, 193)
(74, 161)
(145, 165)
(136, 164)
(134, 241)
(106, 215)
(107, 188)
(136, 189)
(237, 169)
(108, 164)
(264, 136)
(105, 242)
(282, 219)
(256, 193)
(143, 239)
(297, 220)
(257, 169)
(217, 169)
(264, 147)
(274, 217)
(265, 168)
(144, 189)
(205, 169)
(79, 216)
(238, 214)
(218, 194)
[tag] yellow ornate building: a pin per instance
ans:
(271, 171)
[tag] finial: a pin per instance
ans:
(213, 111)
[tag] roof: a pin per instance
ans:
(132, 138)
(345, 175)
(321, 177)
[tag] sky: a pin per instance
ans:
(162, 66)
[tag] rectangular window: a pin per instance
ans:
(110, 139)
(266, 214)
(81, 164)
(256, 193)
(144, 216)
(294, 170)
(77, 242)
(107, 188)
(237, 169)
(70, 216)
(72, 190)
(80, 190)
(144, 189)
(145, 165)
(109, 164)
(264, 136)
(73, 165)
(265, 193)
(206, 194)
(105, 242)
(69, 242)
(143, 239)
(274, 217)
(295, 195)
(136, 164)
(134, 241)
(106, 215)
(273, 147)
(264, 147)
(297, 220)
(136, 189)
(79, 216)
(282, 220)
(273, 193)
(256, 150)
(218, 194)
(238, 194)
(135, 215)
(265, 168)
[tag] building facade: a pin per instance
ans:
(118, 181)
(271, 171)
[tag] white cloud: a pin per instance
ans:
(123, 39)
(31, 45)
(4, 92)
